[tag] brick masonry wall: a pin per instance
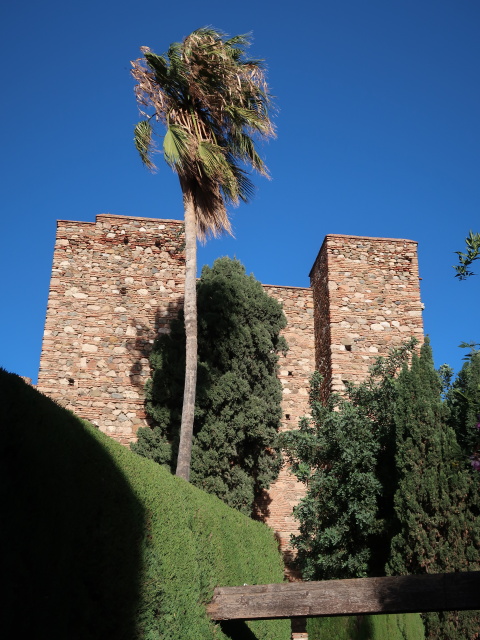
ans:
(115, 284)
(367, 300)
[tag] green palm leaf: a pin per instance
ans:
(159, 66)
(144, 143)
(175, 147)
(217, 168)
(246, 188)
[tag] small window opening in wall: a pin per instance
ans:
(158, 244)
(290, 373)
(348, 347)
(345, 382)
(123, 290)
(71, 382)
(287, 416)
(125, 240)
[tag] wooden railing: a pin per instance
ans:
(399, 594)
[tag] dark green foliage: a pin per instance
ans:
(463, 400)
(70, 565)
(99, 543)
(436, 502)
(237, 412)
(375, 399)
(337, 455)
(466, 259)
(381, 627)
(345, 456)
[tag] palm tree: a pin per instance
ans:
(213, 102)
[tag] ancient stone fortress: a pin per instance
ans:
(117, 282)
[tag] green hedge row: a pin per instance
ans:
(395, 626)
(100, 543)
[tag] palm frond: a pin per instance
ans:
(245, 118)
(246, 188)
(212, 217)
(159, 66)
(144, 143)
(244, 147)
(204, 33)
(215, 103)
(217, 168)
(175, 147)
(242, 41)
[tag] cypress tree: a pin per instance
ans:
(438, 530)
(463, 400)
(235, 452)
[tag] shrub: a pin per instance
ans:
(100, 543)
(401, 626)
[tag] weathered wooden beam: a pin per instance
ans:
(399, 594)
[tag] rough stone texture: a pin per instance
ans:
(295, 369)
(298, 364)
(115, 283)
(119, 281)
(366, 300)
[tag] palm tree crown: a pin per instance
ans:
(213, 102)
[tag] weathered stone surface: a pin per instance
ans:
(295, 369)
(99, 329)
(366, 300)
(119, 281)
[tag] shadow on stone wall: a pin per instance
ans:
(140, 345)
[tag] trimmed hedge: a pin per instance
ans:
(395, 626)
(98, 542)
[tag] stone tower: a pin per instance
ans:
(366, 300)
(115, 284)
(118, 281)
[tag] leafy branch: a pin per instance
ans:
(466, 259)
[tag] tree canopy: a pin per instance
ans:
(390, 486)
(237, 412)
(436, 502)
(213, 102)
(344, 455)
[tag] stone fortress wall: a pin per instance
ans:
(115, 284)
(366, 300)
(119, 281)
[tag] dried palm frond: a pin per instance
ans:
(213, 102)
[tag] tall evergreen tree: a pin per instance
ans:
(463, 400)
(436, 503)
(345, 455)
(237, 412)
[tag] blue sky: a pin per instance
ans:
(378, 135)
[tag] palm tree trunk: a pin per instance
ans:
(190, 311)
